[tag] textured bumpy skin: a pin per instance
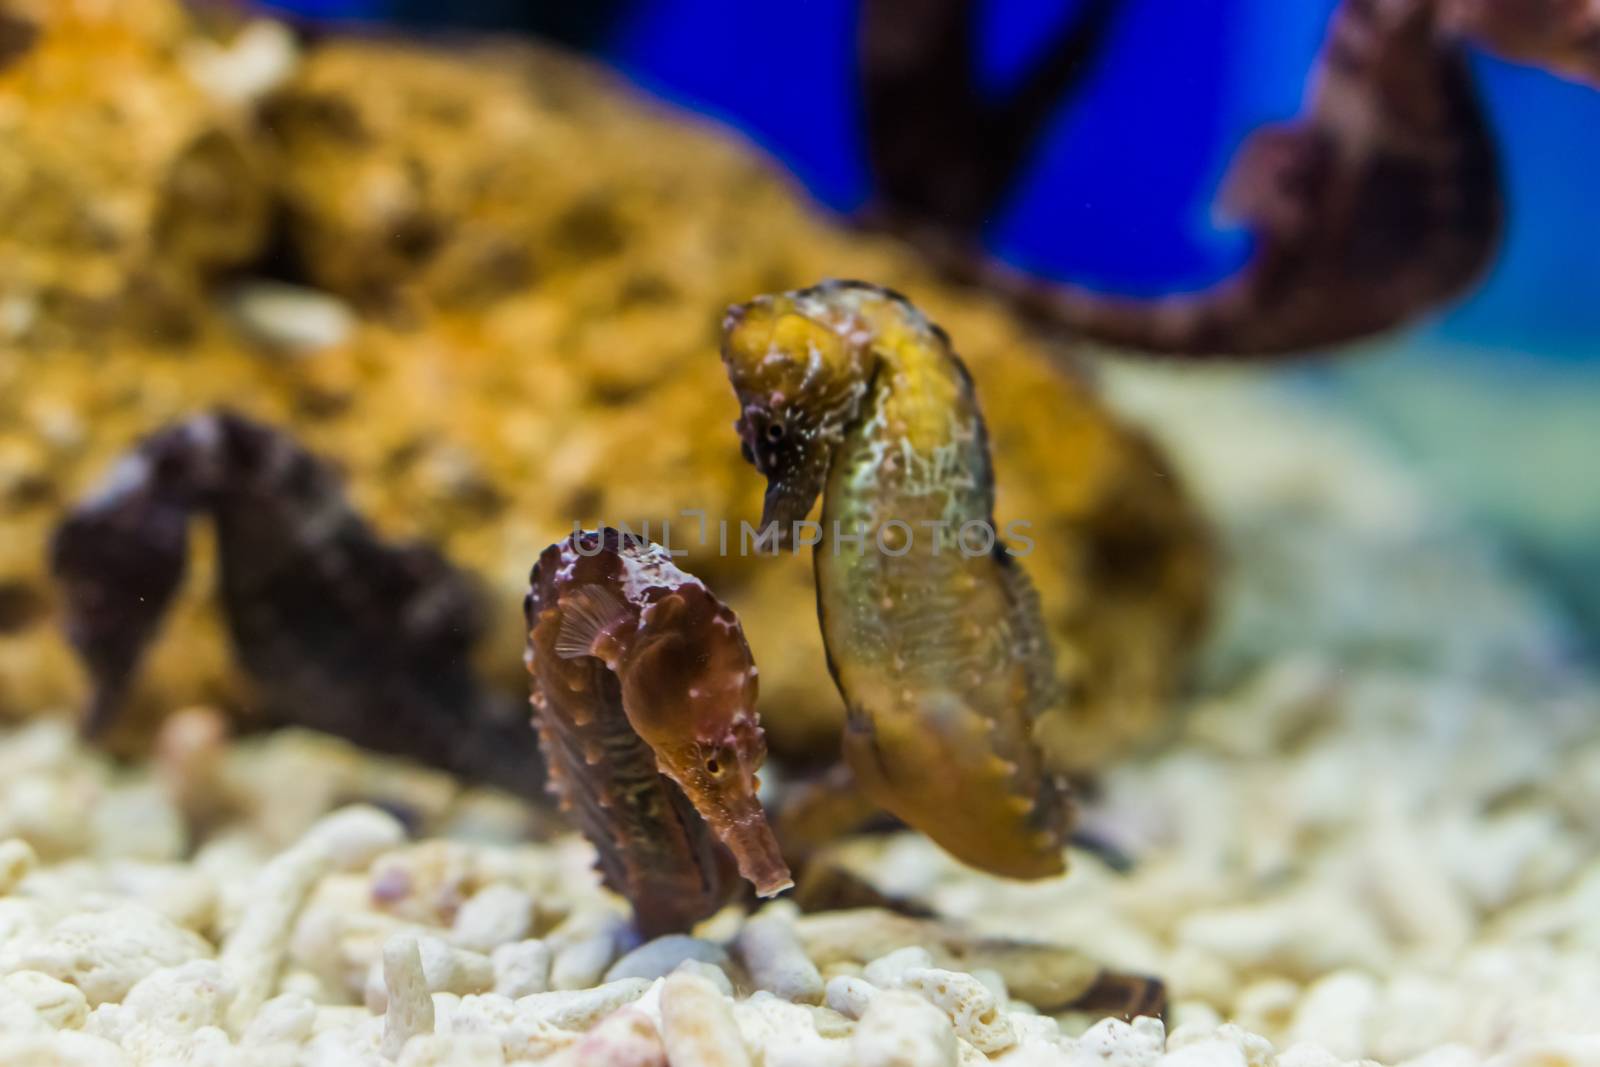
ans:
(644, 697)
(338, 630)
(933, 632)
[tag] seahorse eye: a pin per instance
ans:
(775, 431)
(718, 762)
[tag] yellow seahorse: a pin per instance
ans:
(933, 632)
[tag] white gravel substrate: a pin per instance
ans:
(1373, 836)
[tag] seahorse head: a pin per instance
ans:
(689, 690)
(801, 364)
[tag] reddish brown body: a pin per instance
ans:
(644, 697)
(653, 848)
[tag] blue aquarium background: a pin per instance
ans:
(1119, 197)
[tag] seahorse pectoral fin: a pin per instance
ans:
(587, 616)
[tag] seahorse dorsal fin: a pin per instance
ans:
(587, 615)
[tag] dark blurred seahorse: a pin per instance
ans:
(944, 152)
(932, 630)
(1380, 203)
(338, 630)
(645, 703)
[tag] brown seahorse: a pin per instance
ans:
(645, 703)
(932, 630)
(1380, 203)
